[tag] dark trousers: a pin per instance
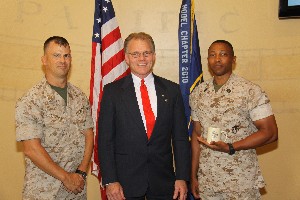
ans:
(170, 197)
(151, 197)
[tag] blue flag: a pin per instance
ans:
(190, 67)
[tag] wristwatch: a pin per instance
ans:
(107, 184)
(231, 149)
(82, 173)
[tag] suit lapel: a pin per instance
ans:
(130, 102)
(162, 100)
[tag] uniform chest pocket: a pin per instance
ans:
(55, 119)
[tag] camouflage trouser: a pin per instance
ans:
(250, 194)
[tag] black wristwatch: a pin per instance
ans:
(82, 173)
(231, 149)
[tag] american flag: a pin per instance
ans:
(107, 65)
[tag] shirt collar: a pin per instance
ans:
(137, 80)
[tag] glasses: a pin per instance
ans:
(146, 54)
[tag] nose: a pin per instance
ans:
(142, 56)
(62, 58)
(218, 58)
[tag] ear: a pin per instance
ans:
(126, 59)
(153, 60)
(154, 56)
(44, 60)
(234, 59)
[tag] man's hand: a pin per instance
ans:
(181, 190)
(39, 156)
(114, 191)
(74, 183)
(217, 146)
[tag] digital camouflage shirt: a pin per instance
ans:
(233, 108)
(42, 113)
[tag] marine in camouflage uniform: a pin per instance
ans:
(234, 108)
(56, 131)
(42, 113)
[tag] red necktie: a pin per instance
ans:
(149, 115)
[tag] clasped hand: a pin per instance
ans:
(74, 183)
(217, 146)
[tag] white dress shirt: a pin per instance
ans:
(149, 82)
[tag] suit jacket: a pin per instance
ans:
(125, 153)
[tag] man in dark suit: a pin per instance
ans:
(141, 134)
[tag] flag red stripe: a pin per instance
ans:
(92, 72)
(110, 38)
(112, 62)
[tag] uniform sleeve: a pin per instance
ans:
(89, 120)
(259, 104)
(28, 120)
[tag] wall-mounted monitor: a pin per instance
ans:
(289, 9)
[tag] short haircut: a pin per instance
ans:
(139, 36)
(224, 42)
(56, 39)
